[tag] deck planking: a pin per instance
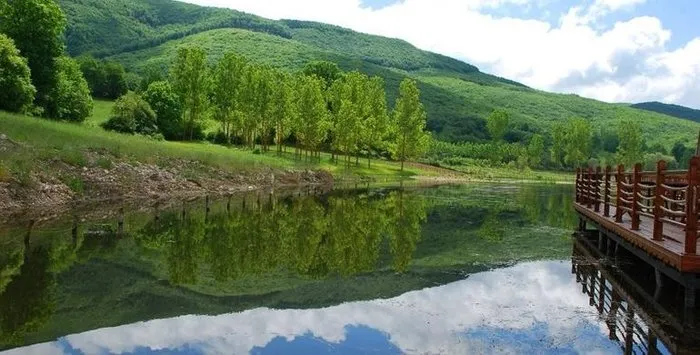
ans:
(671, 250)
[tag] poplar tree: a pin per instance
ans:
(410, 120)
(376, 124)
(228, 83)
(190, 80)
(629, 151)
(284, 107)
(312, 122)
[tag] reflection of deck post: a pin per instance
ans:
(689, 297)
(629, 330)
(601, 294)
(120, 222)
(601, 239)
(658, 278)
(612, 315)
(651, 343)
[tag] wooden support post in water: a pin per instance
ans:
(606, 192)
(636, 183)
(691, 226)
(596, 190)
(659, 201)
(618, 202)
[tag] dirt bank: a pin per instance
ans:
(61, 186)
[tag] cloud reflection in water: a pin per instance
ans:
(534, 307)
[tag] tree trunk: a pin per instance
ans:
(401, 164)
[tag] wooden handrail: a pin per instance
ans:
(666, 196)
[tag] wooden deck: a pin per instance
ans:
(655, 212)
(670, 250)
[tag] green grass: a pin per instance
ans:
(43, 140)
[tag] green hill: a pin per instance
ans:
(457, 96)
(670, 110)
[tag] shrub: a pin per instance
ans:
(166, 104)
(16, 89)
(132, 114)
(70, 99)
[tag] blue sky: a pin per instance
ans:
(611, 50)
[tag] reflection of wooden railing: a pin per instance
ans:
(620, 306)
(668, 197)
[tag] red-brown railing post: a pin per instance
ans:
(618, 202)
(578, 185)
(589, 188)
(659, 201)
(636, 178)
(691, 223)
(606, 193)
(596, 190)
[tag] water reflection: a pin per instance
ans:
(276, 251)
(640, 318)
(481, 314)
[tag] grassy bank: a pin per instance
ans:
(35, 145)
(34, 142)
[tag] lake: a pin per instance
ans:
(380, 270)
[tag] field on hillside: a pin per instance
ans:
(457, 103)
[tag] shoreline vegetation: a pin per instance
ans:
(49, 165)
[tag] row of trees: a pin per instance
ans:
(320, 108)
(31, 47)
(572, 143)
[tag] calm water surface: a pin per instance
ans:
(468, 269)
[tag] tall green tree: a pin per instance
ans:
(324, 70)
(410, 119)
(629, 151)
(376, 124)
(167, 107)
(37, 28)
(352, 110)
(497, 124)
(190, 80)
(16, 89)
(535, 150)
(577, 142)
(229, 76)
(558, 143)
(70, 98)
(284, 108)
(312, 123)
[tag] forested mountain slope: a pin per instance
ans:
(670, 109)
(457, 96)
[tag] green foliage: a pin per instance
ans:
(535, 151)
(629, 152)
(324, 70)
(104, 27)
(228, 81)
(577, 142)
(497, 124)
(190, 81)
(70, 99)
(670, 109)
(132, 114)
(312, 124)
(16, 89)
(106, 79)
(37, 27)
(409, 118)
(168, 109)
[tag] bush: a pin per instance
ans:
(70, 99)
(132, 114)
(166, 104)
(16, 89)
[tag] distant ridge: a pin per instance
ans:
(670, 110)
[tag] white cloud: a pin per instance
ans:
(624, 62)
(429, 321)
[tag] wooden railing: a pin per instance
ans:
(667, 197)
